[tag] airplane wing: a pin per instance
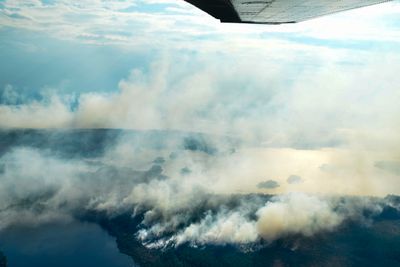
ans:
(276, 11)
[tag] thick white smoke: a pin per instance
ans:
(281, 131)
(296, 214)
(284, 215)
(177, 207)
(320, 132)
(223, 228)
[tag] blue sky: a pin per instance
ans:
(92, 45)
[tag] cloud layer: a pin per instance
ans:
(143, 23)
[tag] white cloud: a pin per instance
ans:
(99, 22)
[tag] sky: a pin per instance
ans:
(318, 98)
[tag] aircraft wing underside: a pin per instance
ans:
(276, 11)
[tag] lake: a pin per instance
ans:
(71, 244)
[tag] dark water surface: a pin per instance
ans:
(73, 244)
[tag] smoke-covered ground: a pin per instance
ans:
(174, 199)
